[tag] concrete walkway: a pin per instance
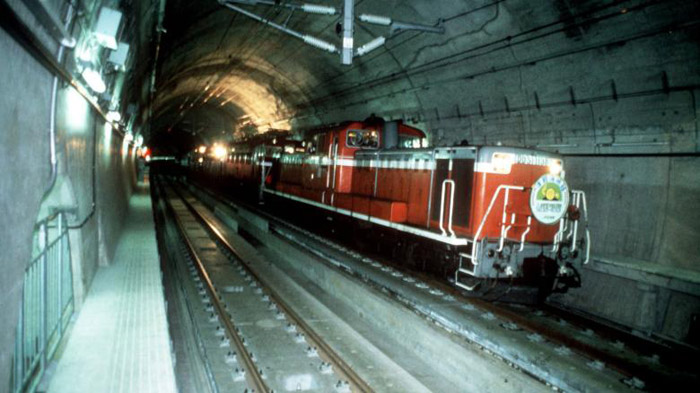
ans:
(120, 341)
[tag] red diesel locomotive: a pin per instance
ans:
(480, 212)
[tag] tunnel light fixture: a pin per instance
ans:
(94, 80)
(114, 116)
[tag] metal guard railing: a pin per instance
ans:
(47, 304)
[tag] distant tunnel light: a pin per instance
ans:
(94, 80)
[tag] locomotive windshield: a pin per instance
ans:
(364, 139)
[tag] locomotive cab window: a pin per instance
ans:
(363, 139)
(412, 142)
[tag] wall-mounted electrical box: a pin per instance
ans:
(119, 56)
(107, 27)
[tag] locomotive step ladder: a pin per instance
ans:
(465, 261)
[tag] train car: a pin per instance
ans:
(475, 212)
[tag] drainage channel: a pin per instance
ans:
(262, 342)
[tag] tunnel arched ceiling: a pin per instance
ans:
(503, 70)
(212, 56)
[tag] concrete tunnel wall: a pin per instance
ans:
(24, 157)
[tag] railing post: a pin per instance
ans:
(44, 233)
(60, 276)
(19, 346)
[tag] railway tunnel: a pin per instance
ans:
(100, 94)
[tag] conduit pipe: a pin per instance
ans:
(53, 161)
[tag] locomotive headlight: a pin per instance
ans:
(502, 162)
(555, 167)
(202, 149)
(219, 152)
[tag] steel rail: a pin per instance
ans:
(325, 348)
(252, 370)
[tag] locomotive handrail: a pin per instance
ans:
(582, 200)
(522, 237)
(475, 241)
(578, 200)
(488, 211)
(505, 228)
(442, 207)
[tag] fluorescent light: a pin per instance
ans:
(114, 116)
(94, 80)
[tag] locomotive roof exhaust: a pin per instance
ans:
(390, 135)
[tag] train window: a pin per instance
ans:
(363, 139)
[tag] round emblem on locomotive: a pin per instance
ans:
(549, 199)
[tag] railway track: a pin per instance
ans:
(628, 365)
(230, 295)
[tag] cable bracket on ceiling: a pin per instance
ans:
(347, 49)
